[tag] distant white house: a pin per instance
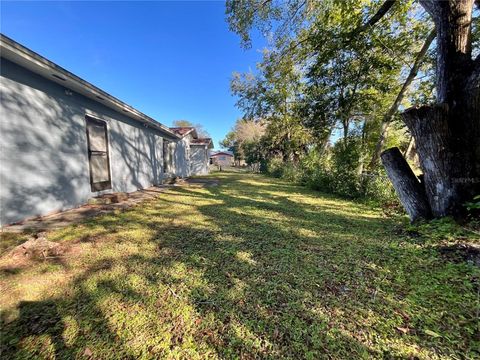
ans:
(64, 140)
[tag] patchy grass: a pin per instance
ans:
(252, 268)
(9, 240)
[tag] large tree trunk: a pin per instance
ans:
(447, 135)
(429, 127)
(408, 187)
(452, 20)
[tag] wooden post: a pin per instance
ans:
(406, 184)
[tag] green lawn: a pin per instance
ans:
(253, 268)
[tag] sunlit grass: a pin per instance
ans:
(252, 268)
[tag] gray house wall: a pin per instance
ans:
(199, 160)
(182, 157)
(43, 159)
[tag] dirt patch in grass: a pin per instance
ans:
(36, 249)
(196, 181)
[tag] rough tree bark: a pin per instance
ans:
(447, 134)
(408, 187)
(393, 109)
(429, 127)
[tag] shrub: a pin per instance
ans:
(337, 171)
(316, 172)
(274, 167)
(292, 172)
(345, 162)
(377, 186)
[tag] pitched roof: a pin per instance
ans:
(222, 153)
(203, 141)
(184, 130)
(36, 63)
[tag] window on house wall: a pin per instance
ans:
(166, 156)
(98, 155)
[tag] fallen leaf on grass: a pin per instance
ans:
(432, 333)
(402, 329)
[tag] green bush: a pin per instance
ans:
(377, 186)
(336, 171)
(275, 167)
(316, 172)
(293, 173)
(345, 162)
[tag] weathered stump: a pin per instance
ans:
(408, 187)
(429, 127)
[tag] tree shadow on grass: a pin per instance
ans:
(41, 318)
(249, 285)
(342, 268)
(70, 326)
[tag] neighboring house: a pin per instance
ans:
(200, 153)
(181, 149)
(222, 158)
(63, 140)
(196, 150)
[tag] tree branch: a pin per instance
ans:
(389, 115)
(386, 6)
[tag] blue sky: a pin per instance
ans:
(170, 60)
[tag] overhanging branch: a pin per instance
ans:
(386, 6)
(391, 112)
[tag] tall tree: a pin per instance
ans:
(447, 134)
(241, 138)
